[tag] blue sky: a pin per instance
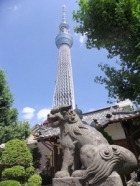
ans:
(29, 56)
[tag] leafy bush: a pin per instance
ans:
(29, 171)
(34, 180)
(17, 157)
(16, 152)
(14, 173)
(35, 151)
(10, 183)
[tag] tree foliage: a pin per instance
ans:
(16, 152)
(115, 26)
(9, 183)
(14, 173)
(35, 180)
(29, 171)
(10, 127)
(17, 161)
(35, 151)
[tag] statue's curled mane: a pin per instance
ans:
(73, 129)
(74, 125)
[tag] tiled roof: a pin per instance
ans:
(100, 117)
(46, 132)
(108, 115)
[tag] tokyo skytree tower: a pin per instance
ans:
(64, 90)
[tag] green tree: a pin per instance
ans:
(17, 162)
(16, 152)
(115, 26)
(35, 180)
(14, 173)
(10, 183)
(10, 127)
(35, 151)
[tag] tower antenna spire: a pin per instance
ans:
(64, 89)
(64, 13)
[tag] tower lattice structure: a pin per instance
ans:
(64, 89)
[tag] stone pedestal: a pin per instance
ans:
(113, 180)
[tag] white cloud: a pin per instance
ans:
(16, 7)
(42, 114)
(34, 115)
(28, 112)
(124, 103)
(82, 39)
(90, 110)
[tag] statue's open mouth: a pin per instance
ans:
(53, 121)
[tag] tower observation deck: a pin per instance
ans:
(64, 90)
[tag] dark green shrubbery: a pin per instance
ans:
(34, 180)
(16, 152)
(9, 183)
(35, 151)
(29, 172)
(17, 162)
(14, 173)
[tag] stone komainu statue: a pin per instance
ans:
(87, 153)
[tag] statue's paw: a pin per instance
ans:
(62, 174)
(78, 173)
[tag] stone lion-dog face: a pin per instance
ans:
(61, 115)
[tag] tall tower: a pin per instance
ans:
(64, 90)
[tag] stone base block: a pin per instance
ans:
(113, 180)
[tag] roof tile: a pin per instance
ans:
(100, 117)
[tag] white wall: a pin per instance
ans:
(115, 131)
